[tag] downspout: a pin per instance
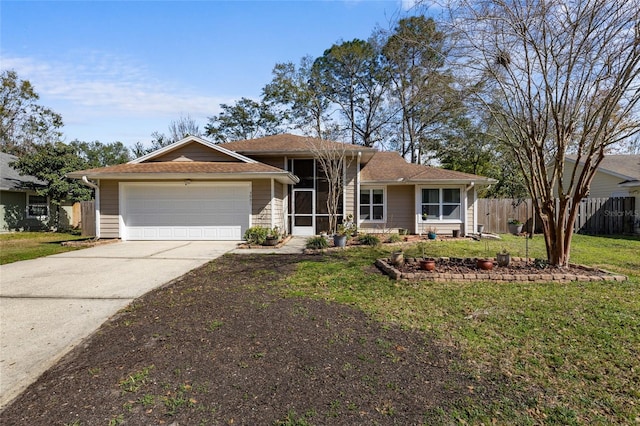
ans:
(273, 203)
(90, 184)
(466, 216)
(356, 196)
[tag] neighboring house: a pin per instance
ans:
(617, 176)
(20, 206)
(196, 190)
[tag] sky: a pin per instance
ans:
(120, 70)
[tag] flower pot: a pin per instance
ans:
(456, 233)
(427, 264)
(484, 264)
(403, 231)
(480, 229)
(340, 240)
(397, 258)
(503, 259)
(515, 228)
(432, 235)
(271, 241)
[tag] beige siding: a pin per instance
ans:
(272, 161)
(471, 207)
(194, 152)
(351, 187)
(603, 185)
(109, 210)
(400, 209)
(278, 205)
(260, 203)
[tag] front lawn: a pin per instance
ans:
(18, 246)
(566, 353)
(328, 339)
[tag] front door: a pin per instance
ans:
(303, 208)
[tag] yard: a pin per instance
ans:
(328, 339)
(16, 246)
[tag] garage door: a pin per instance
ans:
(195, 211)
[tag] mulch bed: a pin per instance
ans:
(220, 346)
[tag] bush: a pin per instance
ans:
(394, 238)
(317, 243)
(369, 240)
(256, 235)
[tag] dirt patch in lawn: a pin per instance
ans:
(221, 346)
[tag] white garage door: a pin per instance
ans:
(175, 211)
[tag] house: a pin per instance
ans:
(617, 176)
(197, 190)
(20, 206)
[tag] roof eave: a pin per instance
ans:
(283, 177)
(487, 181)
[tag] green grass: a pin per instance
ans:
(30, 245)
(560, 353)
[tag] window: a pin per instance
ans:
(440, 204)
(372, 204)
(37, 206)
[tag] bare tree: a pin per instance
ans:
(333, 158)
(183, 127)
(560, 76)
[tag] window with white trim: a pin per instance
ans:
(37, 206)
(372, 204)
(441, 204)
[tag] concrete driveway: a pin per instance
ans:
(49, 305)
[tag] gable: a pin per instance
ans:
(194, 151)
(193, 146)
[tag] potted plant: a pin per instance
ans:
(340, 237)
(515, 226)
(426, 263)
(503, 258)
(403, 231)
(432, 233)
(273, 237)
(485, 263)
(397, 258)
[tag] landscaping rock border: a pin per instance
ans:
(388, 268)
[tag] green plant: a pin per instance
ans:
(273, 232)
(214, 325)
(136, 380)
(394, 238)
(369, 240)
(317, 243)
(256, 235)
(514, 222)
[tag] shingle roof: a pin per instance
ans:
(391, 167)
(178, 167)
(624, 166)
(627, 165)
(10, 178)
(287, 143)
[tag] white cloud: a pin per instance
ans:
(105, 97)
(109, 85)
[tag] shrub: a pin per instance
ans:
(317, 243)
(256, 235)
(394, 238)
(369, 240)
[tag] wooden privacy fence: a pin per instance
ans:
(494, 213)
(597, 216)
(88, 218)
